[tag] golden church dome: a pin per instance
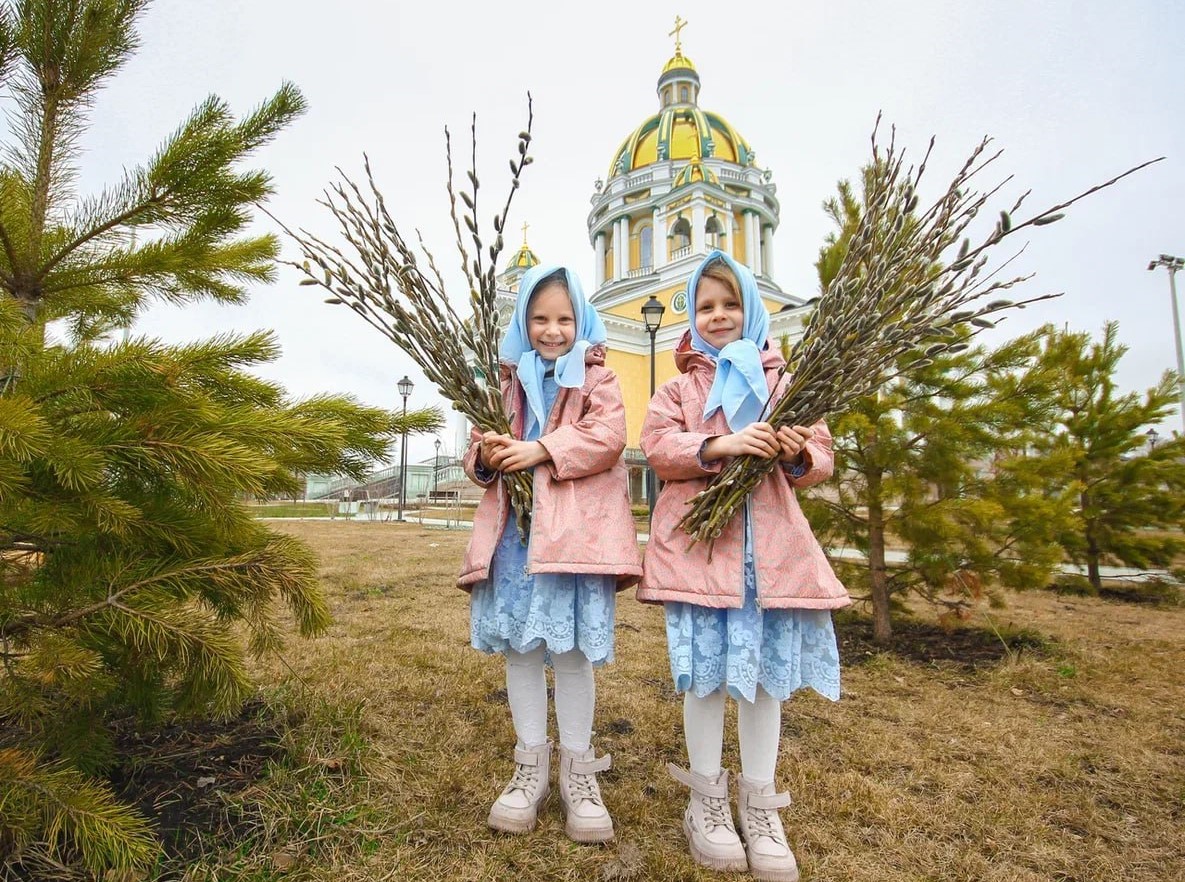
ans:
(678, 61)
(680, 130)
(524, 258)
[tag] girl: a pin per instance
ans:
(749, 616)
(551, 600)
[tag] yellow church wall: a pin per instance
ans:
(633, 374)
(632, 309)
(738, 237)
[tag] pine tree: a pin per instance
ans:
(934, 464)
(131, 577)
(1130, 500)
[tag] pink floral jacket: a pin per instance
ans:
(792, 570)
(581, 521)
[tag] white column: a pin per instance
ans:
(758, 268)
(697, 229)
(625, 246)
(767, 260)
(660, 239)
(750, 240)
(599, 250)
(617, 247)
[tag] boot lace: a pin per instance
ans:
(763, 822)
(716, 813)
(584, 787)
(525, 778)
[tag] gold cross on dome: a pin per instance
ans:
(680, 24)
(525, 225)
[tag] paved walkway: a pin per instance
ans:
(1135, 574)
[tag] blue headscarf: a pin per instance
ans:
(739, 387)
(569, 367)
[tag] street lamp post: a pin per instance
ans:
(1153, 436)
(435, 466)
(1172, 264)
(652, 311)
(404, 386)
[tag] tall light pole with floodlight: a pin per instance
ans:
(1172, 264)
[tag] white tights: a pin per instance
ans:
(575, 697)
(759, 725)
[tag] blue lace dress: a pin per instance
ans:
(781, 650)
(560, 611)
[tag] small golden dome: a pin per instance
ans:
(695, 172)
(679, 61)
(524, 258)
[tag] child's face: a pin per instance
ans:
(551, 323)
(719, 314)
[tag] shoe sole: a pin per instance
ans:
(737, 864)
(586, 836)
(771, 875)
(517, 827)
(600, 834)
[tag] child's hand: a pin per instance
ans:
(791, 440)
(515, 456)
(756, 439)
(491, 442)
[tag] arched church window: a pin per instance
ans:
(714, 231)
(646, 247)
(681, 234)
(683, 94)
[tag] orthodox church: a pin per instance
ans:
(681, 184)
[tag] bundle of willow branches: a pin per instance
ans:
(384, 282)
(897, 291)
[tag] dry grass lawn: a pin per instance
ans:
(1064, 760)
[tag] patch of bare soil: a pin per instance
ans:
(179, 776)
(929, 643)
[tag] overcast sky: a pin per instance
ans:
(1074, 92)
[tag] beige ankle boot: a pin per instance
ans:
(770, 857)
(587, 818)
(707, 823)
(516, 810)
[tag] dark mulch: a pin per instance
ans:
(178, 776)
(930, 644)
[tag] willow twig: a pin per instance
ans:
(378, 276)
(909, 283)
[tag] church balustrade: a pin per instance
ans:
(639, 272)
(633, 456)
(680, 252)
